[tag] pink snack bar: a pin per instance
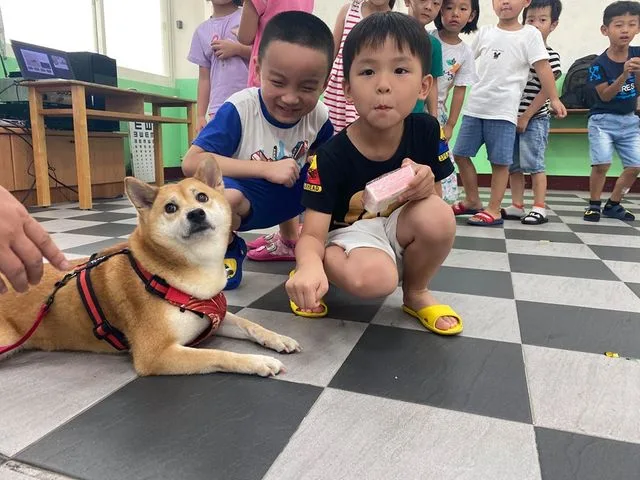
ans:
(380, 193)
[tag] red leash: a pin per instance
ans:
(41, 313)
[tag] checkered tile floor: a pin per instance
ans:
(524, 393)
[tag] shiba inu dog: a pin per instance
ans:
(155, 295)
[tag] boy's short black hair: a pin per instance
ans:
(471, 26)
(377, 28)
(618, 9)
(299, 28)
(556, 9)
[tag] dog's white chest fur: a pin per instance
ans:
(186, 326)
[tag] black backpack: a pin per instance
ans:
(576, 92)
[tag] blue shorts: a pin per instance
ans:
(498, 136)
(271, 204)
(609, 132)
(530, 147)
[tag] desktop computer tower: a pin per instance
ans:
(95, 68)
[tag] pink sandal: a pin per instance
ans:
(277, 250)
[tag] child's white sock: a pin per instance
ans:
(541, 210)
(515, 210)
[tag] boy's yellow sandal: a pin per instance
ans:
(300, 313)
(428, 316)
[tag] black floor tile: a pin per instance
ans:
(277, 268)
(103, 207)
(188, 427)
(465, 374)
(92, 248)
(559, 266)
(106, 216)
(473, 282)
(482, 244)
(635, 288)
(605, 229)
(342, 306)
(579, 328)
(106, 230)
(533, 234)
(570, 456)
(620, 254)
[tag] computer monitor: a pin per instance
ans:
(37, 63)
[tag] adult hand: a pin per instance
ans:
(422, 185)
(23, 243)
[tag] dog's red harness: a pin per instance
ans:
(214, 308)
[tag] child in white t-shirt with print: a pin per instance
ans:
(504, 54)
(458, 65)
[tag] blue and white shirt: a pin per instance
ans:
(605, 70)
(244, 129)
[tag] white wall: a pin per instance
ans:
(578, 33)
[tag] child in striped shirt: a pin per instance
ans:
(533, 124)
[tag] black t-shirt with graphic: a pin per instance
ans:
(605, 70)
(339, 173)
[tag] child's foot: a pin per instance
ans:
(278, 249)
(485, 219)
(591, 214)
(537, 216)
(263, 240)
(420, 300)
(512, 212)
(615, 210)
(236, 251)
(462, 208)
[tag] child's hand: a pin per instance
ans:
(448, 131)
(202, 122)
(523, 122)
(306, 287)
(422, 185)
(558, 108)
(224, 49)
(23, 243)
(632, 65)
(283, 172)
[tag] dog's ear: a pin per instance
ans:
(140, 194)
(209, 173)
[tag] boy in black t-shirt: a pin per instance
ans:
(386, 61)
(613, 124)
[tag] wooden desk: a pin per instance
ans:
(125, 105)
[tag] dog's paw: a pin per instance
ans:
(282, 344)
(264, 366)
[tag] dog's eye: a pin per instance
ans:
(202, 197)
(171, 208)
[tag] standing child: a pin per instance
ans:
(256, 14)
(613, 124)
(425, 12)
(261, 136)
(342, 112)
(533, 124)
(504, 54)
(221, 59)
(386, 67)
(459, 69)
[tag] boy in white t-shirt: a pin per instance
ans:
(504, 54)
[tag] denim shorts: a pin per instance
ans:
(530, 147)
(498, 136)
(609, 132)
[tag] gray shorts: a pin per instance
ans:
(379, 232)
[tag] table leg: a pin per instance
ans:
(157, 147)
(40, 162)
(81, 137)
(192, 117)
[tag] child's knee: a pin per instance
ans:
(433, 220)
(633, 171)
(364, 278)
(237, 201)
(600, 169)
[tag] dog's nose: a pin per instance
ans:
(197, 215)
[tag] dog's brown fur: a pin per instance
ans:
(166, 245)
